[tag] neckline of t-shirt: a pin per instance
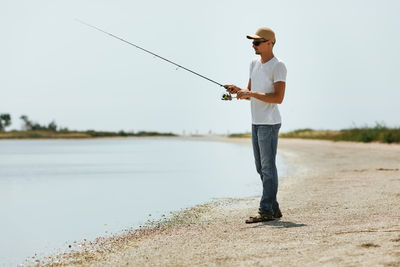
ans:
(267, 61)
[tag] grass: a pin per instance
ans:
(240, 135)
(375, 134)
(379, 133)
(311, 134)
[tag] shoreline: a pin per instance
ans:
(339, 207)
(113, 137)
(88, 134)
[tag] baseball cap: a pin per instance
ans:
(263, 33)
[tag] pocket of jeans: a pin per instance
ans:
(275, 131)
(277, 127)
(264, 132)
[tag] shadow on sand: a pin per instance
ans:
(277, 224)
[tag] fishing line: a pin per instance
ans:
(154, 54)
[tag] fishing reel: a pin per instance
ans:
(226, 97)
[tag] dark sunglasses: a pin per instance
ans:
(257, 43)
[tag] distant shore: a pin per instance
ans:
(378, 133)
(46, 134)
(339, 204)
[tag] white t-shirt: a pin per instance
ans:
(263, 77)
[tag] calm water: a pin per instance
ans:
(53, 192)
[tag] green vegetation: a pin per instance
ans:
(379, 133)
(5, 121)
(311, 134)
(67, 134)
(240, 135)
(34, 126)
(35, 130)
(93, 133)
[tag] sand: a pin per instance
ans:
(340, 203)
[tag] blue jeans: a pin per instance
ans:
(265, 143)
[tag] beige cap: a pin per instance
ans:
(263, 33)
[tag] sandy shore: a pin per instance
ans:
(340, 204)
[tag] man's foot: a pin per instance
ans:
(278, 214)
(261, 217)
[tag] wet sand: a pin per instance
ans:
(340, 205)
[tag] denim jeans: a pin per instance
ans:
(265, 143)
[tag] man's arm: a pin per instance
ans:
(276, 97)
(248, 88)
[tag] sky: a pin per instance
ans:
(342, 59)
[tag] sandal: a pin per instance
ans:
(260, 218)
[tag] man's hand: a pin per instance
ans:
(233, 89)
(243, 94)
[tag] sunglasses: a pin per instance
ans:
(257, 43)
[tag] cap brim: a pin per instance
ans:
(253, 37)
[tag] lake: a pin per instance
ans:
(54, 192)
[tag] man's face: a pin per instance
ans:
(261, 45)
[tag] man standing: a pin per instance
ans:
(266, 89)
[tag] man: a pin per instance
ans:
(266, 89)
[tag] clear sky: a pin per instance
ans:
(342, 58)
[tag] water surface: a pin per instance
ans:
(53, 192)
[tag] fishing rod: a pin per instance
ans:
(227, 96)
